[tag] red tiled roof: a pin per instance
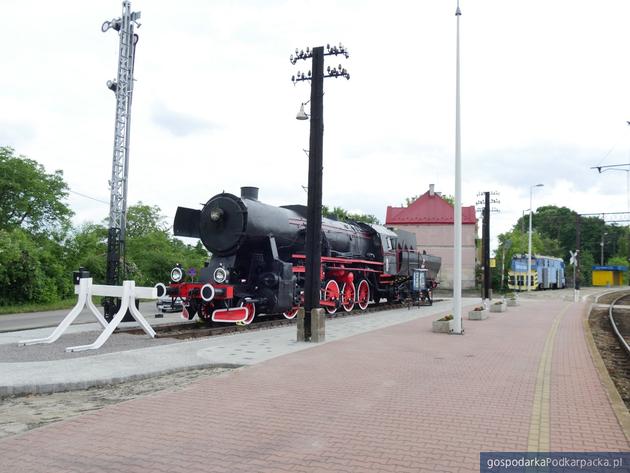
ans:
(428, 209)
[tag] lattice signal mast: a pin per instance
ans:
(123, 88)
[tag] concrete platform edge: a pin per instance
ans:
(617, 404)
(49, 388)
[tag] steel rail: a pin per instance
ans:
(198, 330)
(618, 334)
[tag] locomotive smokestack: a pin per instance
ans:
(249, 193)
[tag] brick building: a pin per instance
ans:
(430, 218)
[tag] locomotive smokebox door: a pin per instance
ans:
(419, 280)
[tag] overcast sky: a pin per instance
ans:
(545, 96)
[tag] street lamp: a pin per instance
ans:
(457, 218)
(616, 167)
(529, 239)
(601, 244)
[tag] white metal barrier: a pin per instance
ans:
(128, 293)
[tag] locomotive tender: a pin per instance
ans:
(258, 261)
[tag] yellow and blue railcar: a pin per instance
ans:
(547, 272)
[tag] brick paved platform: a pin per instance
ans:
(398, 399)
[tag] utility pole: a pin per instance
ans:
(485, 237)
(486, 246)
(576, 282)
(315, 166)
(123, 88)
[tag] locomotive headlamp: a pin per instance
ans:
(176, 274)
(220, 275)
(216, 214)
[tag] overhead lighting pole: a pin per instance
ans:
(529, 239)
(312, 283)
(618, 167)
(457, 220)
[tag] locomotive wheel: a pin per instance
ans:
(251, 311)
(331, 294)
(205, 311)
(347, 294)
(291, 313)
(363, 296)
(189, 312)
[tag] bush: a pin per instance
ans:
(30, 271)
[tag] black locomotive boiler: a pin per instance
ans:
(257, 265)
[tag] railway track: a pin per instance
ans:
(188, 330)
(620, 321)
(610, 326)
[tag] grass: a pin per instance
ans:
(58, 305)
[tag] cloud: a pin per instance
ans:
(15, 133)
(528, 165)
(178, 123)
(214, 108)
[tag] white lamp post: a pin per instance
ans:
(457, 220)
(529, 239)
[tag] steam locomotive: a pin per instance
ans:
(258, 261)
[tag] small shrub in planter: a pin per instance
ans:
(478, 313)
(498, 306)
(443, 325)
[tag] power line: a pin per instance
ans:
(88, 197)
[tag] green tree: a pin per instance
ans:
(586, 268)
(144, 219)
(620, 261)
(87, 247)
(30, 198)
(448, 198)
(152, 251)
(560, 224)
(31, 270)
(517, 242)
(622, 241)
(339, 213)
(39, 249)
(411, 200)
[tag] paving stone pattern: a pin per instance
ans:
(398, 399)
(580, 407)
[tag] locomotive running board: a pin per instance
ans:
(238, 314)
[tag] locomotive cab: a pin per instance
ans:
(385, 242)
